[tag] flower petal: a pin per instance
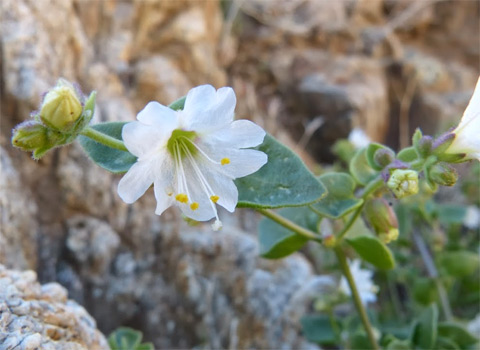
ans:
(473, 109)
(222, 186)
(141, 139)
(136, 181)
(163, 186)
(159, 115)
(239, 134)
(206, 109)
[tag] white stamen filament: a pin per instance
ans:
(182, 185)
(201, 151)
(203, 181)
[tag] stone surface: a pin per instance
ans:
(34, 316)
(307, 70)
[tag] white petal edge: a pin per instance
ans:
(473, 109)
(141, 139)
(243, 162)
(206, 109)
(239, 134)
(222, 186)
(157, 114)
(136, 181)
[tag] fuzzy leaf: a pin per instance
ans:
(339, 199)
(457, 334)
(111, 159)
(360, 169)
(318, 329)
(283, 182)
(425, 331)
(460, 263)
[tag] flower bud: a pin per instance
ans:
(443, 174)
(382, 218)
(425, 146)
(61, 107)
(403, 183)
(330, 241)
(384, 157)
(29, 136)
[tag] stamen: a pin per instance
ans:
(194, 206)
(225, 161)
(182, 198)
(183, 183)
(214, 198)
(201, 151)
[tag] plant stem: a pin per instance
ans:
(290, 225)
(371, 187)
(356, 297)
(104, 139)
(433, 273)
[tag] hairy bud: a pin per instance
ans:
(403, 182)
(382, 218)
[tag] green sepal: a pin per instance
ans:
(424, 332)
(452, 158)
(360, 168)
(372, 250)
(407, 155)
(284, 181)
(457, 334)
(339, 199)
(417, 135)
(110, 159)
(277, 241)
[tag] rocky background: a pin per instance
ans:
(308, 71)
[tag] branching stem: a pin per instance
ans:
(104, 139)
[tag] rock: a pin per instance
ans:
(40, 317)
(18, 226)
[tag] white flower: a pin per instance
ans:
(191, 156)
(474, 326)
(467, 133)
(363, 280)
(472, 217)
(358, 138)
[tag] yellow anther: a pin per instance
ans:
(194, 206)
(214, 198)
(225, 161)
(182, 198)
(170, 194)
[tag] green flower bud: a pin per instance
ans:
(425, 146)
(383, 157)
(29, 136)
(403, 182)
(61, 107)
(443, 174)
(382, 218)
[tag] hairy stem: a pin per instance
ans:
(356, 296)
(290, 225)
(104, 139)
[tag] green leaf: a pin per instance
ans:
(460, 263)
(404, 217)
(457, 334)
(277, 241)
(425, 332)
(360, 169)
(111, 159)
(340, 199)
(318, 329)
(425, 291)
(398, 344)
(178, 104)
(450, 214)
(284, 181)
(372, 250)
(372, 148)
(446, 344)
(407, 155)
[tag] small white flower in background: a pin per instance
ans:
(474, 326)
(467, 133)
(472, 217)
(358, 138)
(191, 156)
(363, 280)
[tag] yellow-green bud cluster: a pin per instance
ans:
(403, 182)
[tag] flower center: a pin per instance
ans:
(182, 141)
